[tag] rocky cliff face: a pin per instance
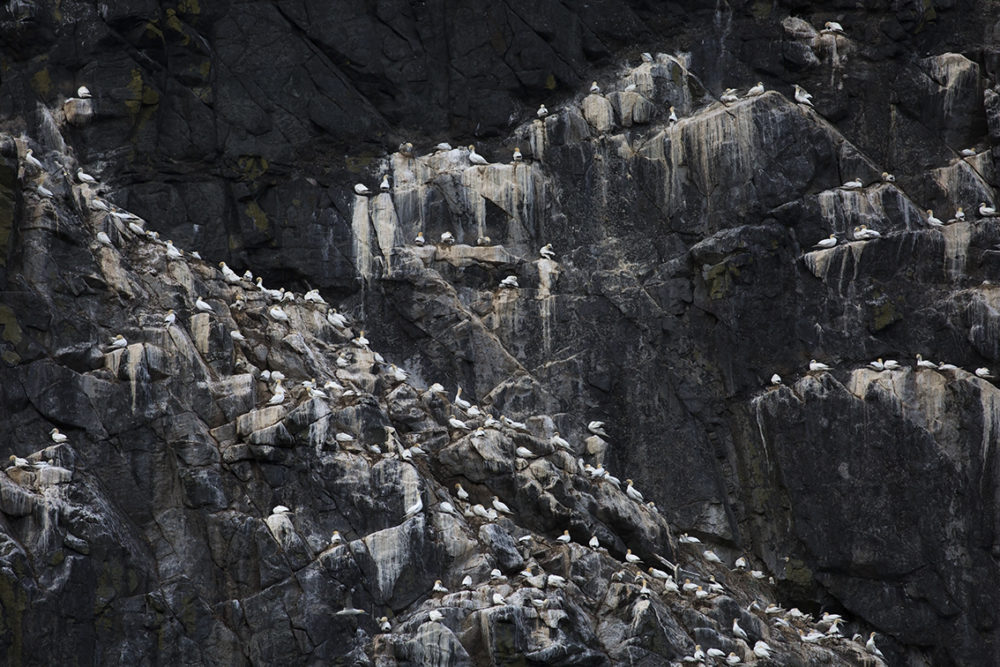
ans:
(684, 275)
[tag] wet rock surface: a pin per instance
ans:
(197, 492)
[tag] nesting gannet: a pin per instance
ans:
(801, 96)
(98, 204)
(555, 581)
(279, 394)
(414, 509)
(594, 88)
(967, 152)
(711, 556)
(828, 242)
(816, 366)
(775, 379)
(103, 238)
(832, 26)
(406, 149)
(986, 211)
(461, 402)
(84, 177)
(646, 57)
(439, 587)
(474, 157)
(360, 339)
(888, 178)
(558, 441)
(498, 599)
(384, 625)
(960, 214)
(715, 653)
(517, 155)
(83, 93)
(313, 296)
(631, 491)
(877, 365)
(280, 509)
(923, 363)
(865, 234)
(547, 252)
(457, 424)
(228, 274)
(361, 189)
(597, 428)
(196, 254)
(500, 506)
(855, 184)
(594, 543)
(932, 221)
(700, 593)
(384, 185)
(509, 282)
(44, 191)
(872, 648)
(119, 341)
(687, 539)
(32, 161)
(57, 437)
(741, 563)
(277, 313)
(756, 90)
(19, 462)
(172, 251)
(891, 365)
(202, 305)
(733, 659)
(729, 96)
(448, 238)
(170, 317)
(738, 631)
(631, 557)
(435, 616)
(524, 453)
(983, 372)
(660, 574)
(672, 118)
(564, 538)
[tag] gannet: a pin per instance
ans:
(597, 428)
(687, 586)
(923, 363)
(877, 364)
(555, 581)
(172, 251)
(103, 238)
(816, 366)
(671, 586)
(443, 146)
(660, 574)
(336, 539)
(983, 372)
(19, 462)
(864, 233)
(960, 214)
(474, 157)
(435, 616)
(932, 221)
(509, 282)
(700, 593)
(733, 659)
(594, 88)
(405, 149)
(856, 184)
(457, 424)
(361, 189)
(715, 653)
(741, 563)
(461, 402)
(170, 317)
(967, 152)
(557, 441)
(547, 252)
(828, 242)
(832, 26)
(500, 506)
(672, 119)
(228, 274)
(384, 625)
(57, 437)
(564, 538)
(277, 313)
(524, 453)
(812, 638)
(630, 88)
(801, 96)
(646, 57)
(97, 204)
(44, 191)
(631, 557)
(986, 211)
(32, 161)
(203, 306)
(360, 339)
(517, 155)
(687, 539)
(631, 492)
(119, 341)
(438, 587)
(84, 177)
(888, 178)
(729, 96)
(871, 648)
(384, 185)
(414, 509)
(594, 543)
(83, 93)
(419, 240)
(498, 599)
(279, 394)
(313, 296)
(891, 365)
(484, 241)
(496, 575)
(738, 631)
(711, 556)
(542, 111)
(196, 254)
(280, 509)
(336, 319)
(756, 90)
(448, 238)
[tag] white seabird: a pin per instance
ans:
(44, 191)
(733, 659)
(32, 161)
(801, 96)
(458, 424)
(435, 616)
(558, 441)
(687, 539)
(756, 90)
(816, 366)
(277, 313)
(594, 88)
(967, 152)
(172, 251)
(58, 437)
(986, 211)
(439, 587)
(564, 538)
(547, 252)
(500, 506)
(828, 242)
(237, 336)
(103, 238)
(594, 543)
(279, 394)
(517, 154)
(597, 428)
(202, 305)
(855, 184)
(775, 379)
(631, 491)
(170, 317)
(360, 339)
(872, 648)
(384, 185)
(280, 509)
(498, 599)
(476, 158)
(923, 363)
(542, 111)
(84, 177)
(891, 365)
(932, 221)
(448, 238)
(443, 146)
(313, 296)
(672, 118)
(419, 240)
(738, 631)
(711, 556)
(832, 26)
(83, 93)
(461, 402)
(960, 214)
(510, 282)
(877, 365)
(361, 189)
(729, 96)
(384, 625)
(119, 341)
(984, 373)
(631, 557)
(414, 509)
(888, 178)
(336, 319)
